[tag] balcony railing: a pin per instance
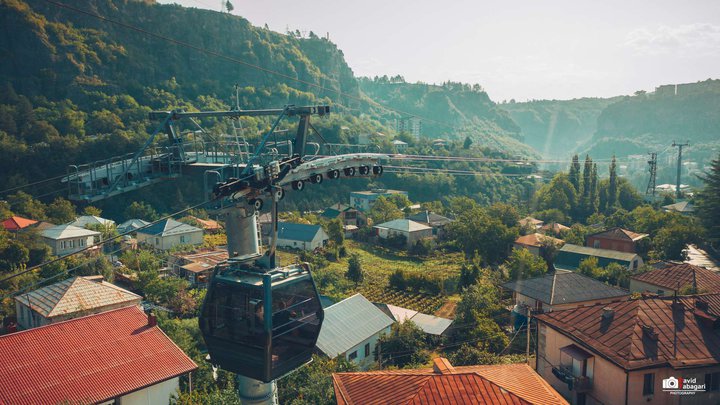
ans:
(581, 384)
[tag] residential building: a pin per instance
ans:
(92, 220)
(554, 228)
(363, 200)
(411, 125)
(623, 353)
(351, 329)
(445, 384)
(531, 223)
(197, 267)
(68, 299)
(66, 239)
(115, 357)
(534, 242)
(16, 223)
(676, 278)
(434, 326)
(347, 214)
(431, 219)
(683, 207)
(208, 225)
(399, 145)
(301, 236)
(617, 239)
(131, 225)
(168, 233)
(412, 231)
(560, 290)
(570, 256)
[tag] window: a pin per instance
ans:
(712, 381)
(182, 238)
(157, 241)
(649, 384)
(596, 244)
(367, 350)
(635, 264)
(353, 355)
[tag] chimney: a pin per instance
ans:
(152, 320)
(649, 331)
(441, 365)
(608, 313)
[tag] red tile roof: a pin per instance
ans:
(503, 384)
(536, 240)
(619, 234)
(17, 223)
(677, 276)
(680, 335)
(87, 360)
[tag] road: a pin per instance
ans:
(700, 258)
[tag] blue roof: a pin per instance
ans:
(348, 323)
(299, 232)
(168, 227)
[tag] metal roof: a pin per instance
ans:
(88, 360)
(75, 294)
(570, 256)
(299, 232)
(431, 324)
(348, 323)
(85, 220)
(67, 231)
(563, 287)
(131, 225)
(430, 218)
(677, 276)
(618, 233)
(404, 225)
(168, 227)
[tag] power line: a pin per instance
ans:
(6, 191)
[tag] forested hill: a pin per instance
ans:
(557, 127)
(453, 110)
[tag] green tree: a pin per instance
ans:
(574, 174)
(355, 271)
(24, 205)
(60, 211)
(522, 264)
(229, 7)
(404, 346)
(472, 355)
(708, 202)
(312, 383)
(670, 243)
(468, 143)
(590, 268)
(335, 231)
(90, 210)
(612, 194)
(140, 260)
(474, 316)
(477, 232)
(384, 210)
(141, 210)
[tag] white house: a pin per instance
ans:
(351, 329)
(66, 239)
(114, 357)
(131, 225)
(85, 220)
(301, 236)
(168, 233)
(363, 200)
(411, 230)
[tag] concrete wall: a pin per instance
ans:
(170, 241)
(361, 360)
(71, 245)
(318, 241)
(155, 394)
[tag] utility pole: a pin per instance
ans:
(527, 337)
(653, 175)
(679, 165)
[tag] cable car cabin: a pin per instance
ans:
(261, 325)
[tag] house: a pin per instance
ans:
(197, 267)
(399, 145)
(351, 329)
(630, 352)
(531, 223)
(431, 219)
(131, 225)
(445, 384)
(434, 326)
(363, 200)
(92, 220)
(168, 233)
(570, 256)
(66, 239)
(68, 299)
(412, 231)
(115, 357)
(683, 207)
(208, 225)
(347, 214)
(554, 228)
(676, 278)
(617, 239)
(265, 223)
(534, 242)
(560, 290)
(301, 236)
(16, 223)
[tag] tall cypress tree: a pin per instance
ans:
(574, 175)
(612, 186)
(594, 200)
(708, 202)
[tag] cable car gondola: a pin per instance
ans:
(261, 323)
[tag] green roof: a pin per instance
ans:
(570, 256)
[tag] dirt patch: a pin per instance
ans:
(447, 310)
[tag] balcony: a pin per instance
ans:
(580, 384)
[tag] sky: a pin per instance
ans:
(515, 49)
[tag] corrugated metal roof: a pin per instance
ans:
(87, 360)
(430, 324)
(404, 225)
(677, 276)
(430, 218)
(563, 287)
(618, 233)
(168, 227)
(348, 323)
(67, 231)
(570, 256)
(299, 232)
(683, 339)
(85, 220)
(75, 294)
(131, 225)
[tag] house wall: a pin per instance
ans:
(611, 244)
(155, 394)
(364, 362)
(170, 241)
(417, 235)
(319, 241)
(533, 249)
(641, 286)
(531, 302)
(71, 244)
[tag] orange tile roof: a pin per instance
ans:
(618, 233)
(468, 384)
(17, 223)
(677, 276)
(536, 240)
(681, 335)
(88, 360)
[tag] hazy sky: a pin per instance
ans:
(521, 49)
